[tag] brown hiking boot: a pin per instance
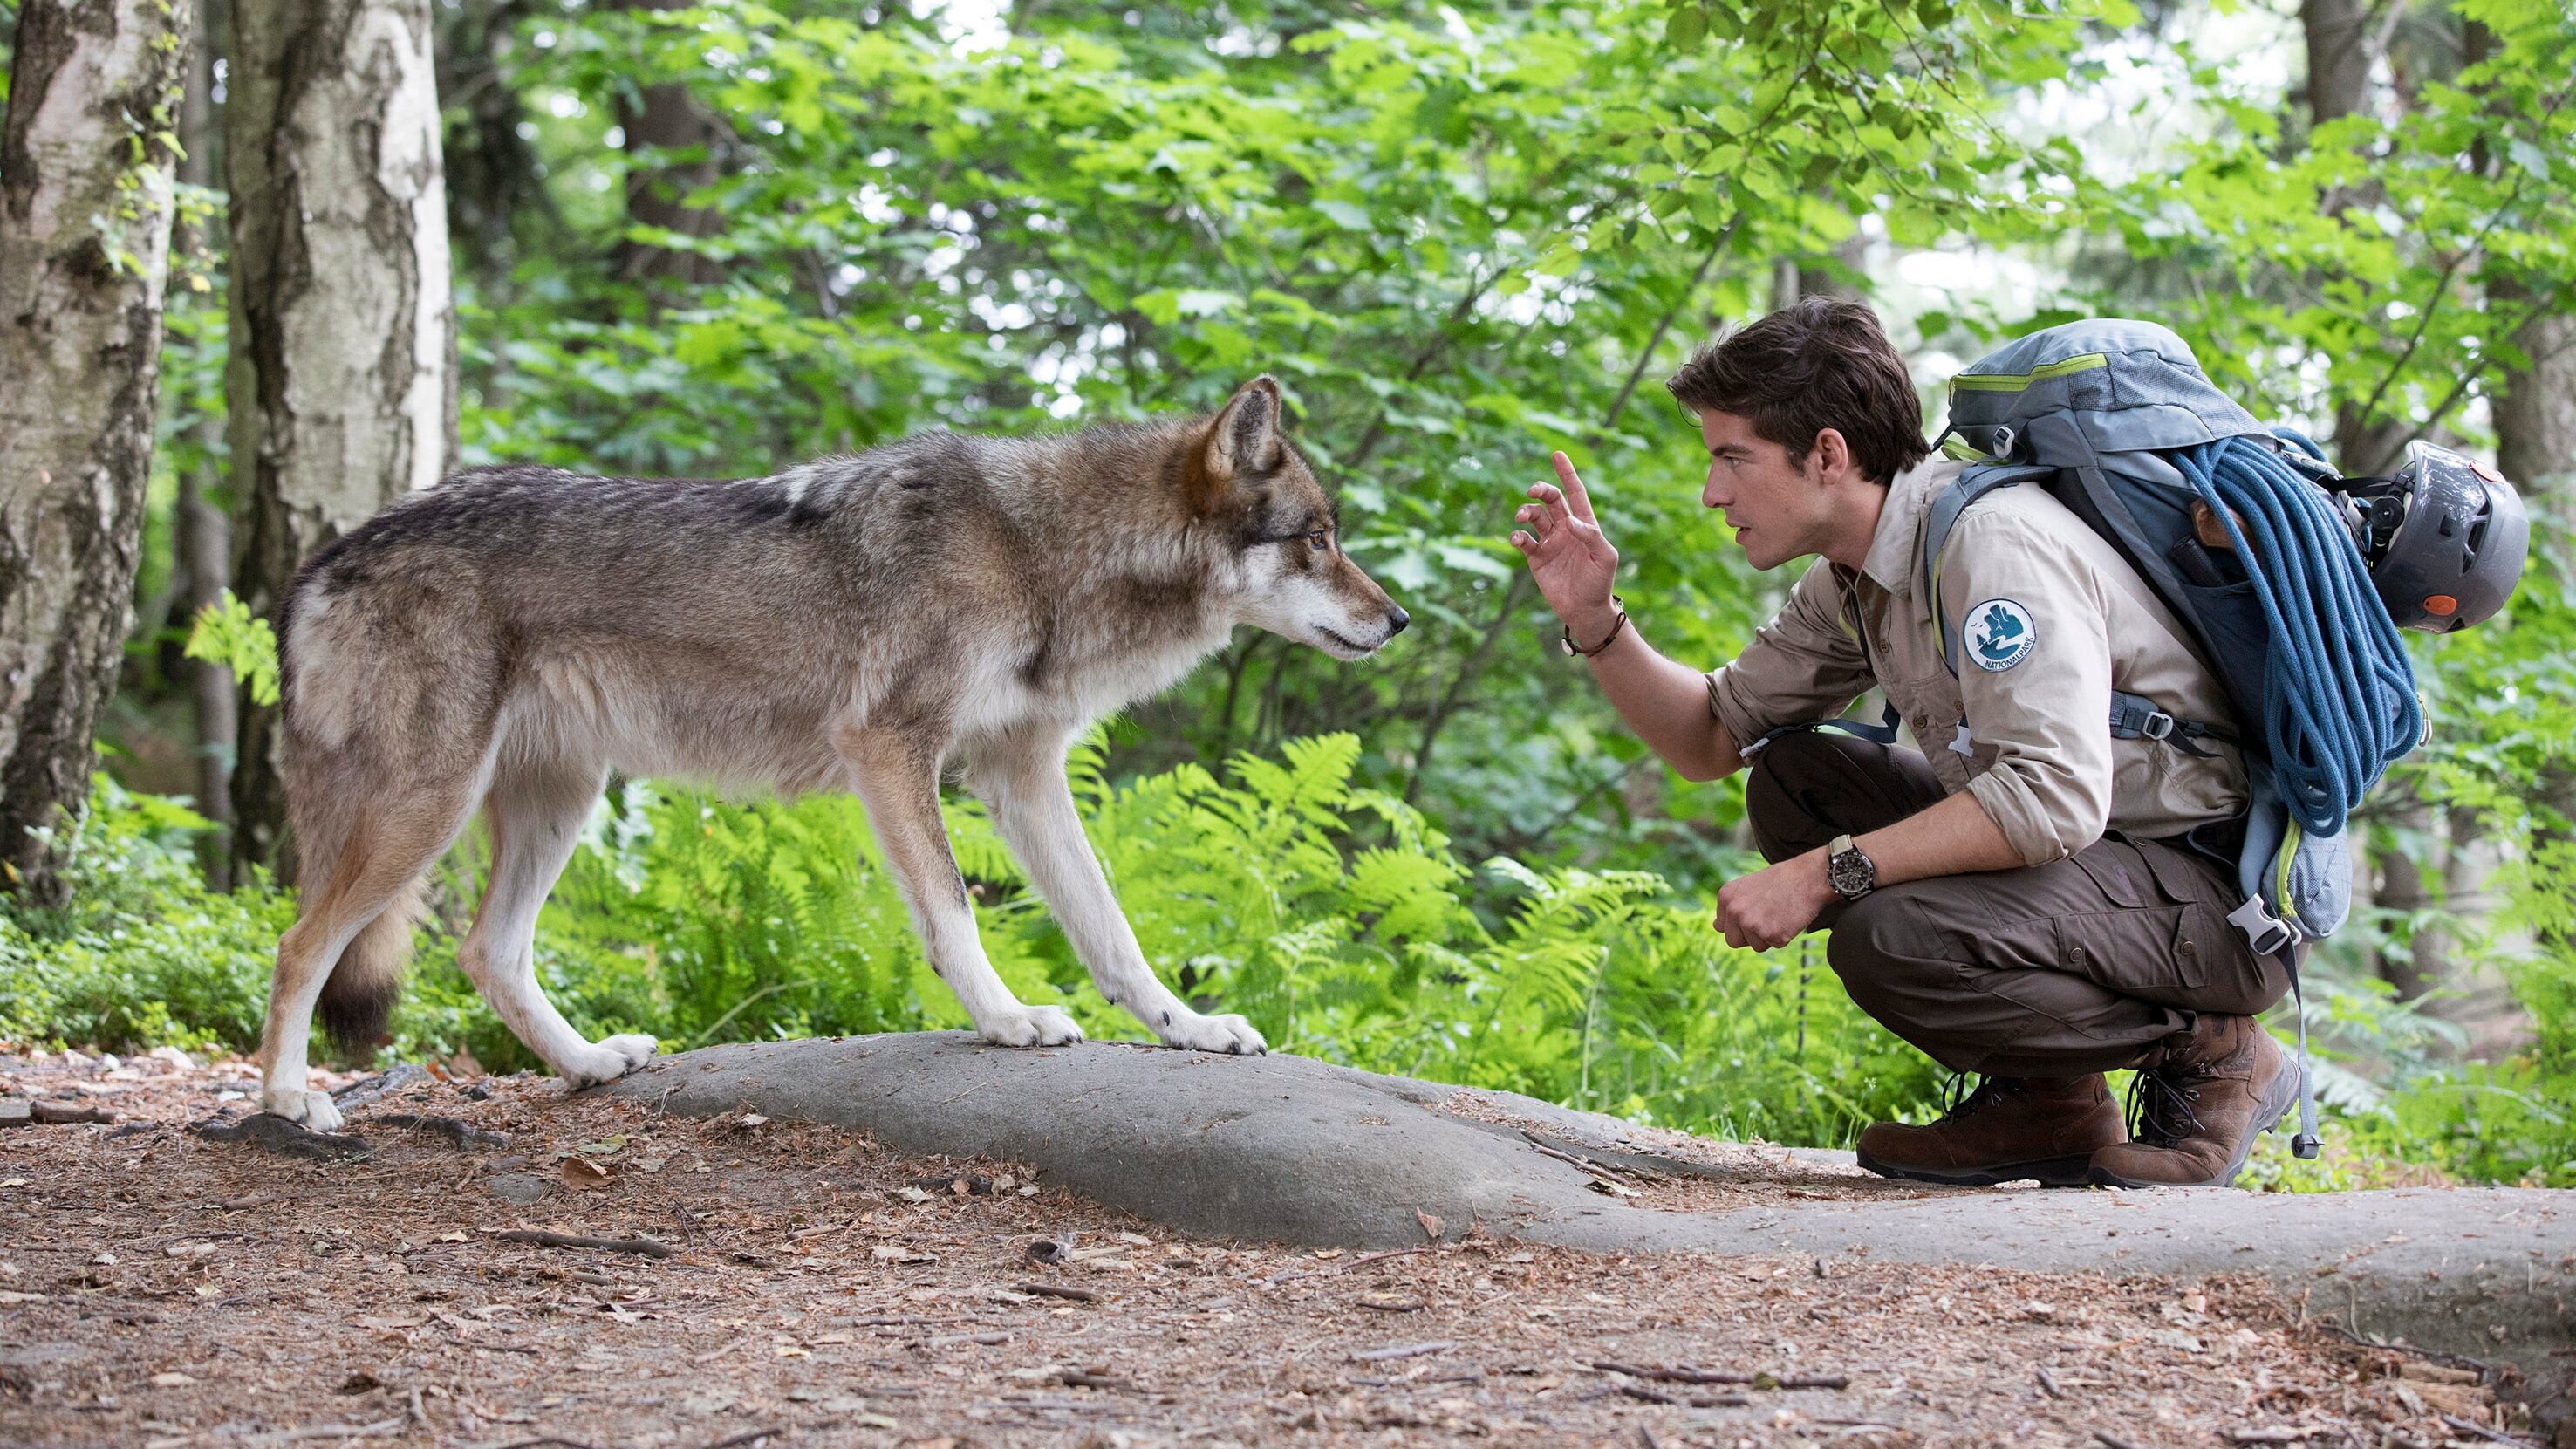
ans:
(2009, 1129)
(2200, 1098)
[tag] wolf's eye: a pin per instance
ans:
(1321, 538)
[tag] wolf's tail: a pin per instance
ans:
(357, 1005)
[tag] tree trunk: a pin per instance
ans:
(85, 207)
(670, 119)
(2340, 52)
(203, 527)
(342, 378)
(2535, 416)
(2412, 870)
(2339, 57)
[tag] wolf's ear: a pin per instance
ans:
(1244, 439)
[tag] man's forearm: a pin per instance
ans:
(1664, 702)
(1954, 837)
(1771, 906)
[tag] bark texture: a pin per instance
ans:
(85, 209)
(2341, 46)
(2535, 416)
(670, 119)
(342, 380)
(204, 524)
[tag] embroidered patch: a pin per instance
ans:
(2000, 634)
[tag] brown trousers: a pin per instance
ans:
(2046, 971)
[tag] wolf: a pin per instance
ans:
(505, 639)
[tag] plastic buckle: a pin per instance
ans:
(2158, 726)
(2303, 1145)
(2266, 932)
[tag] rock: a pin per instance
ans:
(520, 1188)
(1292, 1150)
(16, 1112)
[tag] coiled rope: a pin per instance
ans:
(2339, 702)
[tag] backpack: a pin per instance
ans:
(2247, 537)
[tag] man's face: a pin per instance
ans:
(1778, 512)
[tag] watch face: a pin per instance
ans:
(1850, 872)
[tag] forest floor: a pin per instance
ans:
(163, 1288)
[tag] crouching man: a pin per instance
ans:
(2015, 897)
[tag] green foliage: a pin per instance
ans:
(144, 954)
(699, 920)
(227, 633)
(1461, 236)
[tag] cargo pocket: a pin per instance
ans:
(2185, 878)
(2116, 868)
(2161, 954)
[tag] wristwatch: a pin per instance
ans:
(1851, 873)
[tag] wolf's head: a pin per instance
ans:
(1291, 576)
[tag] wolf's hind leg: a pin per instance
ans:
(536, 814)
(899, 780)
(1023, 779)
(357, 867)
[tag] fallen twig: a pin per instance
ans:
(1542, 1149)
(2110, 1440)
(1057, 1290)
(2493, 1436)
(544, 1439)
(1675, 1375)
(649, 1247)
(2048, 1384)
(1652, 1396)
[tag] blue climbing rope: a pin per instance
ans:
(2339, 702)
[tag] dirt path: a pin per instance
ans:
(158, 1288)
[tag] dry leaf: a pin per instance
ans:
(581, 1172)
(1431, 1226)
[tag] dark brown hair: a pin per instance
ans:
(1816, 364)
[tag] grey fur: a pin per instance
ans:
(506, 638)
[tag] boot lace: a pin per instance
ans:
(1959, 1101)
(2162, 1107)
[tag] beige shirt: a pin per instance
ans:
(2054, 621)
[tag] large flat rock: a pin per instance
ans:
(1293, 1150)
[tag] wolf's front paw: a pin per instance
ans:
(1029, 1026)
(607, 1061)
(295, 1104)
(1229, 1034)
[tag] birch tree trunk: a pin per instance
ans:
(342, 382)
(85, 208)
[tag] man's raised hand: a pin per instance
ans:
(1570, 561)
